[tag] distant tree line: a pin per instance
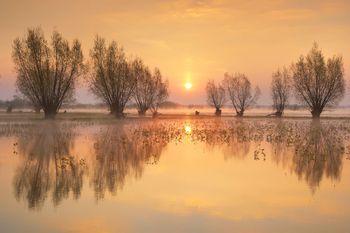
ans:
(15, 102)
(48, 72)
(315, 82)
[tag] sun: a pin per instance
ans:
(188, 85)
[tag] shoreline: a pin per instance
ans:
(99, 116)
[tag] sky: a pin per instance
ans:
(188, 40)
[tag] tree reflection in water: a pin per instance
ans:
(282, 139)
(47, 165)
(311, 150)
(122, 151)
(318, 152)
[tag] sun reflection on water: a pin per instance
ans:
(188, 128)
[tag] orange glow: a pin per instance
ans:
(188, 85)
(203, 38)
(188, 129)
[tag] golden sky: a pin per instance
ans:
(188, 40)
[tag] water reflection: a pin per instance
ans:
(122, 151)
(311, 150)
(47, 166)
(188, 128)
(318, 152)
(282, 140)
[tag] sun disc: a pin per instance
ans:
(188, 85)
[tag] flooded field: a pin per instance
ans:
(336, 112)
(175, 175)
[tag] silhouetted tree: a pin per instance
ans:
(150, 90)
(161, 92)
(46, 74)
(111, 79)
(239, 91)
(280, 90)
(216, 96)
(318, 84)
(145, 86)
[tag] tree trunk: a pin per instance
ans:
(155, 114)
(118, 112)
(50, 114)
(240, 113)
(278, 114)
(142, 112)
(218, 112)
(112, 110)
(316, 113)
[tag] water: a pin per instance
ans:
(185, 175)
(335, 112)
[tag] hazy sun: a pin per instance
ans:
(188, 85)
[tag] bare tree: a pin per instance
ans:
(318, 84)
(47, 74)
(280, 90)
(216, 96)
(145, 86)
(239, 91)
(150, 90)
(111, 79)
(161, 92)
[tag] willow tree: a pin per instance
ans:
(145, 86)
(151, 90)
(161, 92)
(216, 96)
(111, 79)
(280, 90)
(47, 72)
(240, 92)
(318, 84)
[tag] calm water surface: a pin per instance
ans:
(206, 175)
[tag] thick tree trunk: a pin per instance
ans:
(118, 112)
(50, 114)
(316, 113)
(218, 112)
